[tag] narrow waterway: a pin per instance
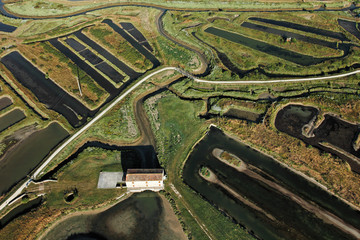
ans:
(293, 221)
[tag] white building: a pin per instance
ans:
(138, 180)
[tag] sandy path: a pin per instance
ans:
(214, 179)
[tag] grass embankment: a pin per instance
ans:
(177, 128)
(31, 118)
(190, 89)
(172, 130)
(44, 8)
(231, 159)
(178, 23)
(80, 177)
(116, 127)
(325, 168)
(118, 45)
(65, 73)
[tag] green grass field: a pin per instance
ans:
(45, 8)
(82, 173)
(179, 129)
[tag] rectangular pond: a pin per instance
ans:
(46, 91)
(102, 81)
(5, 102)
(19, 161)
(111, 58)
(11, 118)
(91, 57)
(110, 71)
(130, 28)
(75, 44)
(292, 220)
(134, 43)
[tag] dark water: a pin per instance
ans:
(134, 43)
(350, 27)
(11, 118)
(19, 210)
(291, 56)
(21, 160)
(45, 89)
(111, 58)
(285, 34)
(103, 82)
(5, 102)
(293, 220)
(7, 28)
(131, 157)
(332, 130)
(110, 72)
(138, 217)
(130, 28)
(304, 28)
(260, 69)
(75, 44)
(91, 57)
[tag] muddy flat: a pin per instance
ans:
(145, 215)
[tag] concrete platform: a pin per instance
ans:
(110, 179)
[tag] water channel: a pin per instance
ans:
(292, 221)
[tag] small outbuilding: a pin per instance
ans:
(138, 180)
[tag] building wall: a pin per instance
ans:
(145, 184)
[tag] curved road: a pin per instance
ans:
(121, 97)
(7, 13)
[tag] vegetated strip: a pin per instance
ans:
(7, 28)
(102, 81)
(5, 102)
(97, 62)
(291, 56)
(130, 28)
(303, 28)
(134, 43)
(255, 190)
(19, 210)
(20, 161)
(350, 27)
(11, 118)
(332, 130)
(45, 89)
(287, 34)
(111, 58)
